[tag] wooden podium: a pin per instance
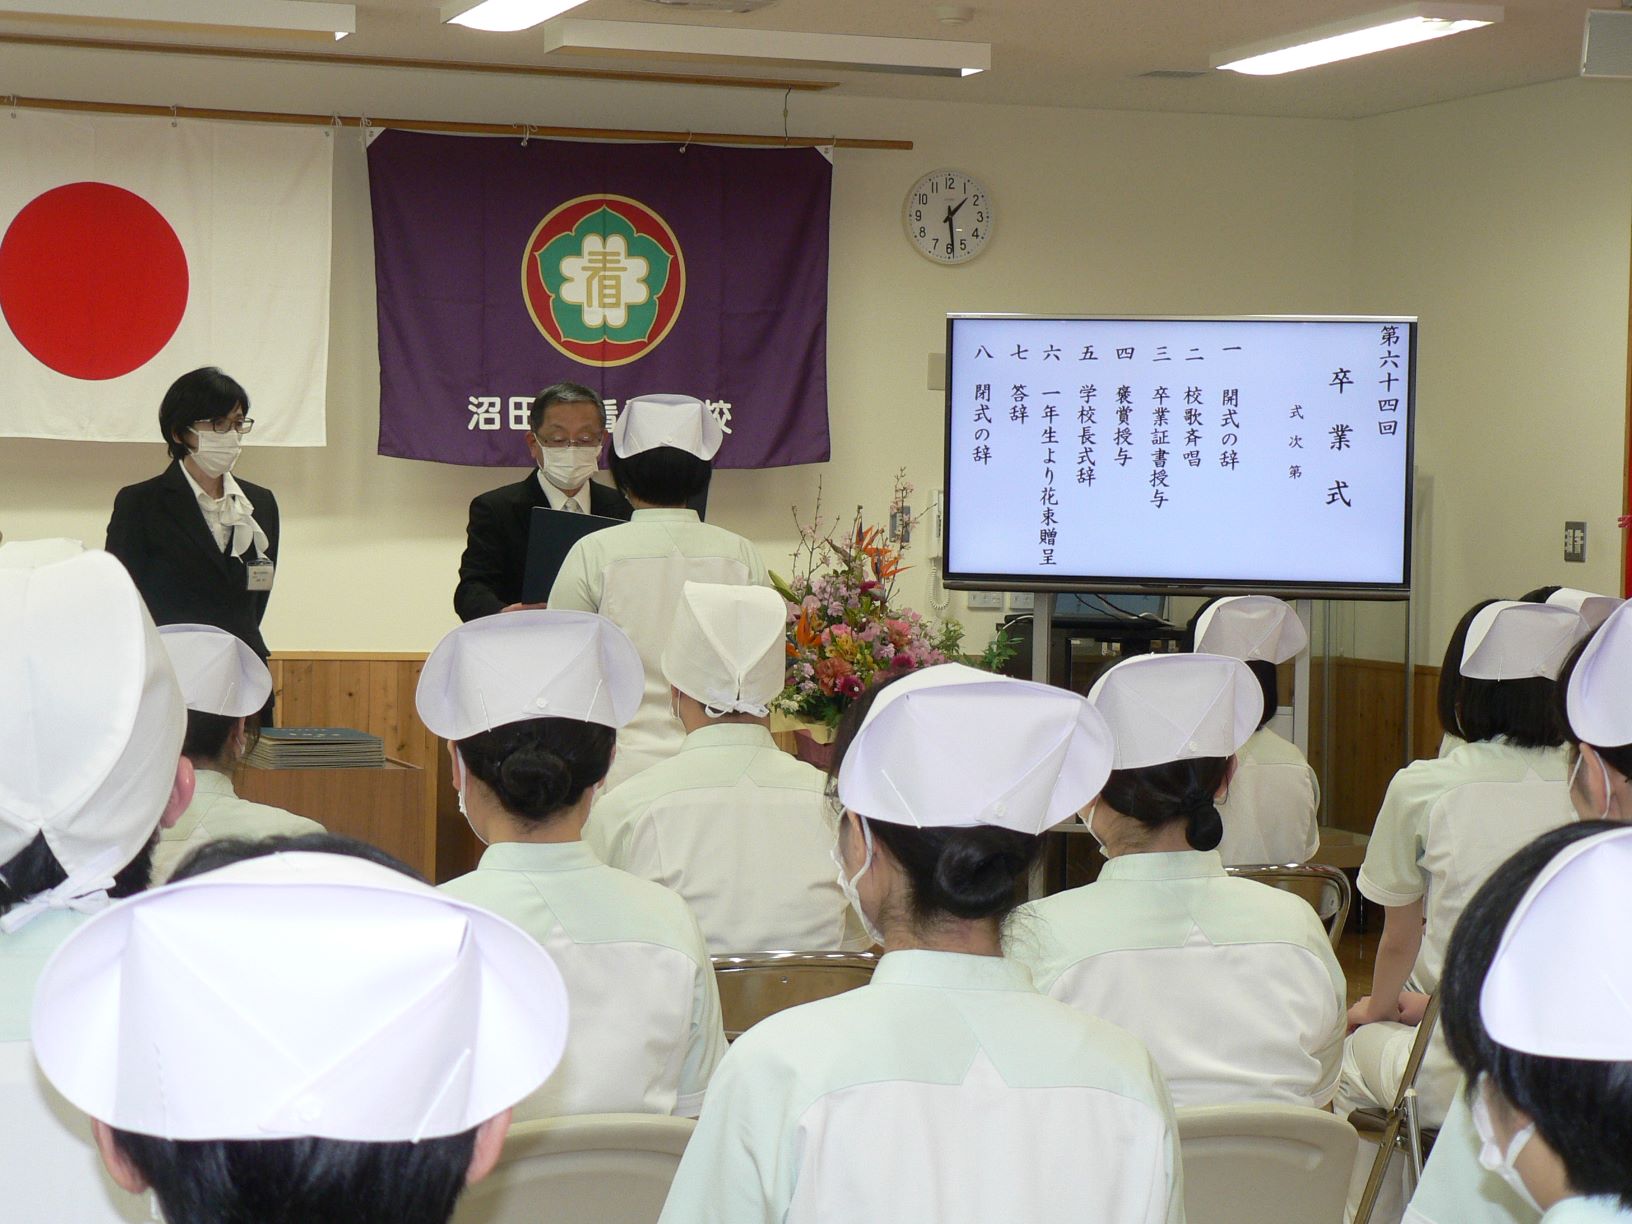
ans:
(387, 806)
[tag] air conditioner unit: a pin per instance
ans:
(717, 6)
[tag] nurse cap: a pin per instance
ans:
(650, 421)
(1251, 627)
(1596, 697)
(218, 673)
(91, 720)
(1177, 707)
(952, 747)
(534, 663)
(728, 647)
(1561, 981)
(1514, 640)
(1594, 609)
(298, 994)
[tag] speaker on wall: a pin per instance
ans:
(1606, 47)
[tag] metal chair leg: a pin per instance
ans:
(1379, 1170)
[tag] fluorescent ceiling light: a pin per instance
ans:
(291, 16)
(1395, 27)
(849, 52)
(504, 16)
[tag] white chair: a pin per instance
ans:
(758, 984)
(1246, 1164)
(591, 1169)
(1325, 888)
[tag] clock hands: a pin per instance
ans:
(951, 229)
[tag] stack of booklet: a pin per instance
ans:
(316, 748)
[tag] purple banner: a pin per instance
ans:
(502, 267)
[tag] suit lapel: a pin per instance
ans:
(182, 506)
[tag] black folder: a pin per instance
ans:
(550, 538)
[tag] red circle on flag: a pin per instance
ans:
(93, 280)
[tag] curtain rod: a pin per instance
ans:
(523, 130)
(327, 58)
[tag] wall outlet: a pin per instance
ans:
(1022, 601)
(985, 601)
(1575, 540)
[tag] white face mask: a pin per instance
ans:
(848, 883)
(461, 780)
(216, 452)
(1603, 772)
(1491, 1156)
(568, 467)
(1088, 823)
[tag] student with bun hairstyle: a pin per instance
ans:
(530, 703)
(948, 1089)
(1232, 984)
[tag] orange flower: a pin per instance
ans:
(804, 630)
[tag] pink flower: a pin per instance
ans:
(831, 673)
(848, 686)
(903, 661)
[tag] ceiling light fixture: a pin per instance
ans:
(845, 52)
(504, 16)
(1394, 27)
(281, 16)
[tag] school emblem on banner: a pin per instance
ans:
(604, 279)
(503, 266)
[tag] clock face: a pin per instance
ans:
(948, 216)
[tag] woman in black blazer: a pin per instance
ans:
(200, 544)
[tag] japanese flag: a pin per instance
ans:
(133, 250)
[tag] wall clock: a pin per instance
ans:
(948, 216)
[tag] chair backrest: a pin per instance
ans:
(1325, 888)
(759, 984)
(591, 1169)
(1244, 1164)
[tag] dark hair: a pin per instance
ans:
(972, 873)
(1617, 756)
(562, 393)
(1540, 595)
(292, 1181)
(207, 735)
(200, 395)
(1450, 671)
(1158, 795)
(33, 869)
(1522, 711)
(225, 851)
(662, 476)
(540, 766)
(1582, 1108)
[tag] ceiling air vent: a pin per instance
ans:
(1160, 74)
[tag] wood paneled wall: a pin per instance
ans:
(1368, 725)
(375, 693)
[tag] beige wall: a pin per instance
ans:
(1503, 221)
(1520, 275)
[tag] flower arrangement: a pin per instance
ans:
(845, 632)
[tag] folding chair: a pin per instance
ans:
(590, 1169)
(754, 985)
(1325, 888)
(1399, 1126)
(1244, 1164)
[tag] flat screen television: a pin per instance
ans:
(1180, 455)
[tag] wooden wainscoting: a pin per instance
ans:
(375, 693)
(1368, 724)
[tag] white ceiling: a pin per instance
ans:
(1073, 53)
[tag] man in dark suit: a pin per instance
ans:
(191, 535)
(568, 430)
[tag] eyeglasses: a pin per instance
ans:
(226, 425)
(556, 442)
